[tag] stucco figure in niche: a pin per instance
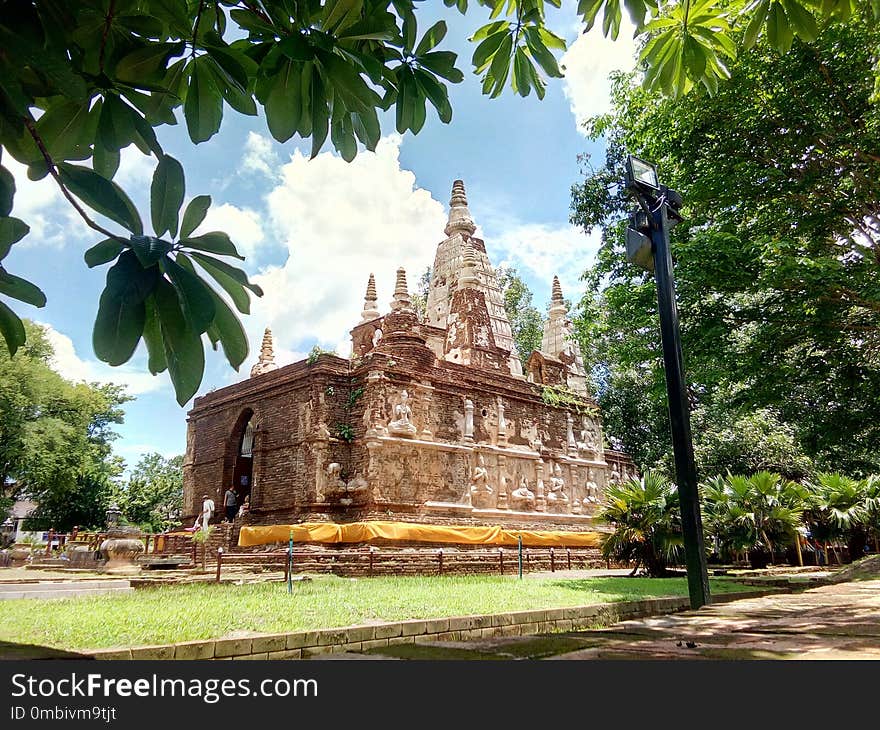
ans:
(377, 337)
(402, 424)
(557, 499)
(480, 491)
(591, 497)
(522, 498)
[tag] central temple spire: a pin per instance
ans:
(460, 220)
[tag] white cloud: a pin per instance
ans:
(540, 252)
(339, 222)
(242, 224)
(588, 62)
(135, 171)
(259, 155)
(39, 204)
(71, 366)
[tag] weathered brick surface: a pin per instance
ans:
(153, 652)
(232, 647)
(194, 650)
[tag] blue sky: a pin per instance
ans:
(314, 230)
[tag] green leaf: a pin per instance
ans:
(433, 36)
(203, 108)
(194, 214)
(283, 104)
(339, 14)
(184, 353)
(21, 289)
(63, 130)
(147, 64)
(521, 75)
(436, 92)
(409, 30)
(102, 252)
(153, 337)
(215, 242)
(234, 64)
(116, 127)
(194, 295)
(105, 162)
(120, 319)
(149, 249)
(500, 66)
(779, 32)
(611, 19)
(232, 279)
(12, 329)
(637, 10)
(589, 10)
(442, 63)
(7, 191)
(405, 103)
(487, 48)
(101, 195)
(12, 230)
(802, 21)
(240, 100)
(541, 54)
(166, 195)
(488, 29)
(694, 58)
(320, 113)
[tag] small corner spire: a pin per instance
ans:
(468, 275)
(266, 362)
(370, 311)
(401, 293)
(460, 220)
(557, 292)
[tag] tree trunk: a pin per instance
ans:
(856, 544)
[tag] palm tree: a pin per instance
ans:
(758, 514)
(872, 505)
(646, 520)
(839, 508)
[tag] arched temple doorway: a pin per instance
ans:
(243, 465)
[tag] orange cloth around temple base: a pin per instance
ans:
(355, 532)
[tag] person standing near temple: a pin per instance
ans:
(207, 511)
(230, 503)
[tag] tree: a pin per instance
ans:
(646, 520)
(420, 298)
(55, 438)
(83, 79)
(839, 508)
(153, 494)
(757, 514)
(778, 260)
(526, 323)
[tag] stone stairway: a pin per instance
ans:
(64, 589)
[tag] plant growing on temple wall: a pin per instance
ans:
(561, 397)
(345, 432)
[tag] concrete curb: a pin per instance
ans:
(305, 644)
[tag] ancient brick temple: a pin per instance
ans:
(431, 421)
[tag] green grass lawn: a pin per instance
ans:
(183, 613)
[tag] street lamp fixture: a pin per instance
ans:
(647, 246)
(641, 175)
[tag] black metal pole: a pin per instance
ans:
(679, 412)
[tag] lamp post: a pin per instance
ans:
(647, 246)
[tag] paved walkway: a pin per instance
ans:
(840, 621)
